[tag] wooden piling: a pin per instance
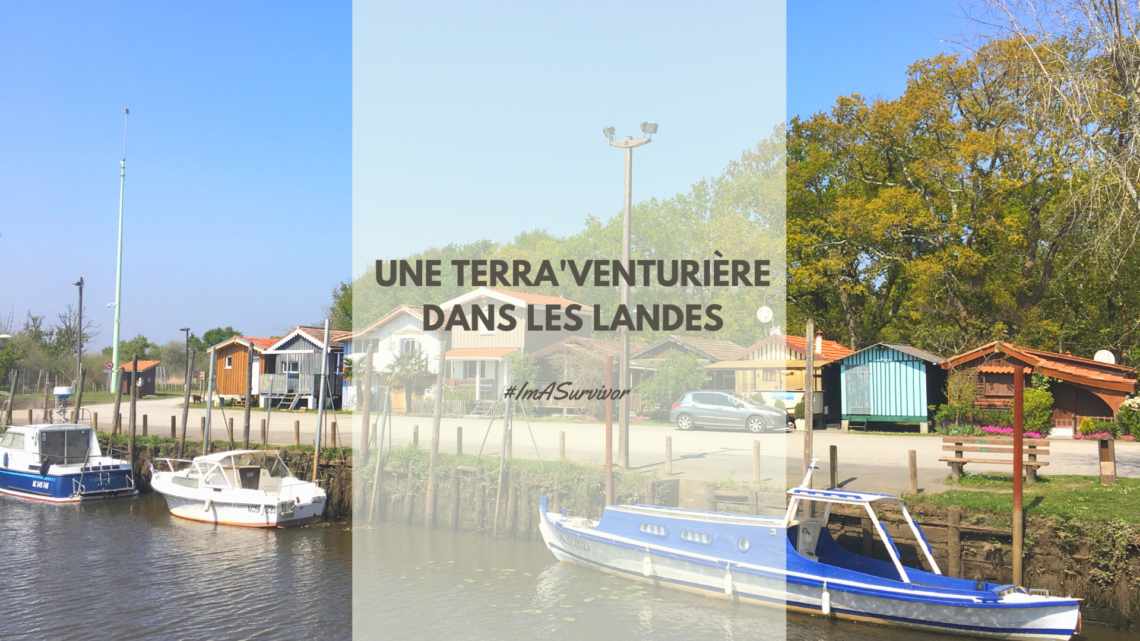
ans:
(480, 500)
(913, 460)
(230, 429)
(29, 416)
(953, 541)
(668, 456)
(834, 451)
(756, 462)
(512, 506)
(296, 432)
(245, 423)
(203, 436)
(264, 435)
(416, 435)
(649, 492)
(334, 434)
(116, 415)
(94, 420)
(453, 522)
(510, 449)
(173, 427)
(525, 506)
(562, 446)
(134, 400)
(459, 440)
(408, 496)
(144, 425)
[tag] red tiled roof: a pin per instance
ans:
(263, 343)
(1062, 366)
(830, 349)
(143, 365)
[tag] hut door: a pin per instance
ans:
(858, 384)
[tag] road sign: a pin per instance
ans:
(108, 367)
(201, 376)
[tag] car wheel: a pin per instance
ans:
(685, 422)
(755, 424)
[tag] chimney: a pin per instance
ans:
(819, 342)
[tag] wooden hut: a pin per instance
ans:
(296, 373)
(231, 366)
(889, 383)
(148, 370)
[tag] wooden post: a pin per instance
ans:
(416, 435)
(561, 446)
(144, 425)
(868, 537)
(912, 457)
(134, 399)
(245, 426)
(1107, 450)
(756, 462)
(408, 498)
(510, 449)
(29, 416)
(649, 494)
(335, 440)
(809, 388)
(1018, 436)
(512, 506)
(433, 455)
(94, 420)
(480, 500)
(264, 436)
(1031, 470)
(453, 523)
(834, 451)
(668, 456)
(366, 403)
(203, 436)
(609, 431)
(186, 399)
(47, 399)
(230, 429)
(173, 427)
(459, 440)
(116, 416)
(525, 506)
(296, 432)
(953, 542)
(12, 397)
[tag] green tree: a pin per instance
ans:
(212, 337)
(407, 369)
(139, 345)
(677, 374)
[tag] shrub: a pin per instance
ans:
(1129, 416)
(1087, 426)
(780, 405)
(799, 411)
(758, 398)
(1038, 411)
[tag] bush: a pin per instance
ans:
(799, 410)
(1129, 416)
(758, 398)
(780, 405)
(952, 414)
(1038, 411)
(1087, 426)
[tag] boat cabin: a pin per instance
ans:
(257, 470)
(30, 447)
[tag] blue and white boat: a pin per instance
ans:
(60, 463)
(794, 562)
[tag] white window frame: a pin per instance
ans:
(229, 362)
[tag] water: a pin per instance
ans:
(126, 569)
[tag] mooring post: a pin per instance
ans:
(453, 523)
(94, 420)
(144, 425)
(264, 435)
(134, 399)
(512, 506)
(668, 456)
(203, 436)
(334, 434)
(1107, 449)
(912, 457)
(173, 427)
(459, 440)
(562, 446)
(756, 462)
(296, 432)
(1018, 439)
(480, 500)
(834, 466)
(416, 435)
(953, 542)
(525, 507)
(408, 497)
(230, 429)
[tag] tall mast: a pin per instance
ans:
(119, 262)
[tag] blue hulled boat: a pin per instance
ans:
(794, 562)
(60, 463)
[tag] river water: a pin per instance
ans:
(126, 569)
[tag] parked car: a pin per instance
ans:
(719, 409)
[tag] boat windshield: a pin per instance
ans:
(268, 461)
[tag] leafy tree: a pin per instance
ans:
(677, 374)
(407, 369)
(1037, 411)
(212, 337)
(145, 349)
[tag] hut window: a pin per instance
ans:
(229, 362)
(291, 367)
(771, 375)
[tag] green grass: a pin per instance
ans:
(1065, 497)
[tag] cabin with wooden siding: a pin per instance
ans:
(890, 383)
(230, 368)
(297, 365)
(644, 361)
(145, 381)
(477, 357)
(1082, 387)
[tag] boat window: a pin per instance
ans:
(185, 482)
(13, 440)
(696, 537)
(655, 530)
(268, 462)
(76, 444)
(51, 446)
(744, 545)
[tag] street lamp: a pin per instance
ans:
(628, 145)
(79, 334)
(119, 260)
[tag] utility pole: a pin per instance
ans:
(186, 395)
(79, 333)
(809, 387)
(627, 225)
(1018, 436)
(119, 264)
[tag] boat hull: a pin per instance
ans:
(67, 488)
(242, 514)
(776, 587)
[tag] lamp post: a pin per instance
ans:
(186, 395)
(79, 332)
(627, 222)
(119, 262)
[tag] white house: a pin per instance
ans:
(398, 331)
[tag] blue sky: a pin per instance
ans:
(239, 158)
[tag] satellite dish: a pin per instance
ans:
(775, 331)
(764, 314)
(1105, 356)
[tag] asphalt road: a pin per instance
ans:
(869, 462)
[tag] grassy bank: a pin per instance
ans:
(1063, 497)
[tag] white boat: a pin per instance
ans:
(60, 463)
(253, 488)
(794, 562)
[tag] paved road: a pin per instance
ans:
(866, 461)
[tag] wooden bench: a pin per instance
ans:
(975, 446)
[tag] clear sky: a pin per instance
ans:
(239, 157)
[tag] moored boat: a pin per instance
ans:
(60, 463)
(253, 488)
(794, 562)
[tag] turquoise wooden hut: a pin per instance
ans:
(889, 383)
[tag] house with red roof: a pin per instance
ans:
(1082, 387)
(477, 357)
(145, 379)
(400, 331)
(230, 370)
(774, 369)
